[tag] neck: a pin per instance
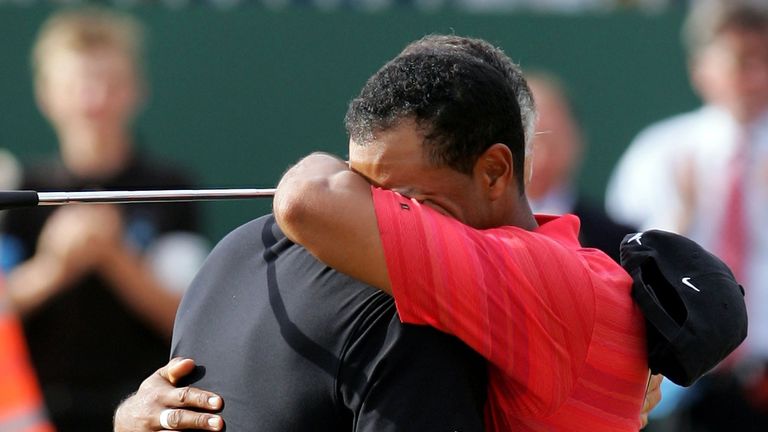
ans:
(94, 154)
(518, 213)
(523, 215)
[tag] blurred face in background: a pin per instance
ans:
(557, 145)
(89, 93)
(732, 72)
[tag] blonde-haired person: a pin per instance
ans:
(97, 310)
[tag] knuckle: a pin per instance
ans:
(153, 398)
(202, 399)
(174, 419)
(183, 395)
(201, 422)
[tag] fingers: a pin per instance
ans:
(652, 398)
(157, 400)
(178, 419)
(653, 395)
(655, 383)
(176, 369)
(184, 397)
(191, 397)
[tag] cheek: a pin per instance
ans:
(61, 104)
(469, 206)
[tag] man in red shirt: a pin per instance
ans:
(431, 208)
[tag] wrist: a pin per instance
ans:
(35, 281)
(50, 270)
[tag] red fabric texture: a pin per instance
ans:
(556, 322)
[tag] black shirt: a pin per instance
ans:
(292, 345)
(88, 348)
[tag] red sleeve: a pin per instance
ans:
(521, 299)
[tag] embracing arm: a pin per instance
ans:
(327, 208)
(190, 408)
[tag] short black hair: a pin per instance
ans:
(496, 58)
(462, 105)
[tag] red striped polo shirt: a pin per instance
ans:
(556, 322)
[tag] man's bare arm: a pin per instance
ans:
(327, 208)
(191, 408)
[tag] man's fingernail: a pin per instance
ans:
(215, 423)
(214, 401)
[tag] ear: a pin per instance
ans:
(495, 171)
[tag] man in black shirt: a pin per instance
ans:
(292, 345)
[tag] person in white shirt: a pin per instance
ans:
(705, 174)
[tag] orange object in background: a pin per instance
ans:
(21, 402)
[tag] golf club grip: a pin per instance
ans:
(17, 199)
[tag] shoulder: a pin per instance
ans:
(660, 137)
(668, 134)
(45, 174)
(252, 236)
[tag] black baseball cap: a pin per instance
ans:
(694, 309)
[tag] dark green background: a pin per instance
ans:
(239, 95)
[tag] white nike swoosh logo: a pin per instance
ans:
(636, 238)
(686, 280)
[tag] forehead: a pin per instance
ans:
(738, 38)
(100, 60)
(391, 153)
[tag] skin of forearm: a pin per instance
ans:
(35, 281)
(324, 206)
(298, 195)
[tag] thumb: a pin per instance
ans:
(177, 368)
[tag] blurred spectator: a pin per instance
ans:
(558, 148)
(21, 402)
(97, 317)
(10, 173)
(10, 177)
(705, 174)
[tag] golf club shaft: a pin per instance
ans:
(16, 199)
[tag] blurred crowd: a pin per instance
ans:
(88, 294)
